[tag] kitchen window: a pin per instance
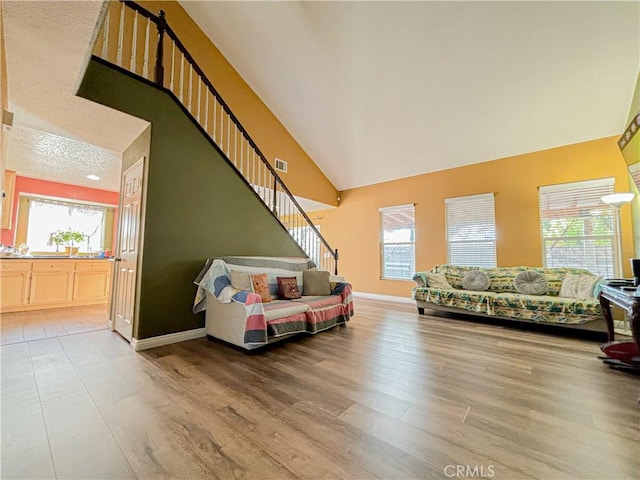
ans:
(39, 216)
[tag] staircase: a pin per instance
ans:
(144, 44)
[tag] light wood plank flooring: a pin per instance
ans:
(394, 395)
(16, 327)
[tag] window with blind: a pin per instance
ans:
(38, 217)
(471, 230)
(397, 249)
(578, 229)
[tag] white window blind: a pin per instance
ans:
(578, 229)
(634, 171)
(397, 250)
(471, 230)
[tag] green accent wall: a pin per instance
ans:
(197, 206)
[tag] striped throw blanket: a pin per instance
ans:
(279, 317)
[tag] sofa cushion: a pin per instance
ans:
(316, 282)
(545, 308)
(241, 280)
(502, 277)
(283, 308)
(580, 287)
(288, 288)
(530, 282)
(464, 299)
(475, 280)
(261, 286)
(273, 266)
(438, 280)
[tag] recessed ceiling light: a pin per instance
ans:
(93, 177)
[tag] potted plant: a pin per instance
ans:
(68, 238)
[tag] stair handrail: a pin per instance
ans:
(163, 28)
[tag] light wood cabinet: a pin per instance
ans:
(15, 278)
(92, 282)
(51, 282)
(8, 187)
(37, 284)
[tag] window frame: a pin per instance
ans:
(470, 199)
(22, 220)
(385, 210)
(592, 190)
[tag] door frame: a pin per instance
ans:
(118, 244)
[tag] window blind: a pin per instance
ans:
(634, 171)
(397, 248)
(471, 230)
(578, 229)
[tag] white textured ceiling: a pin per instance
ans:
(47, 44)
(38, 154)
(375, 91)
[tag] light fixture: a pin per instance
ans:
(93, 177)
(617, 200)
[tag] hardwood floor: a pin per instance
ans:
(16, 327)
(394, 395)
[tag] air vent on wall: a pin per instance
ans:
(281, 165)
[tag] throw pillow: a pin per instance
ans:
(475, 280)
(315, 282)
(577, 286)
(531, 283)
(438, 280)
(288, 288)
(241, 280)
(261, 286)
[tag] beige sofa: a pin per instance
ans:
(502, 300)
(242, 318)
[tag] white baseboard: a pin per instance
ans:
(168, 339)
(386, 298)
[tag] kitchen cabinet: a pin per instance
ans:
(51, 283)
(8, 187)
(91, 282)
(15, 281)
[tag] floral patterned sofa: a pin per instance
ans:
(502, 300)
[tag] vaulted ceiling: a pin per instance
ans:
(373, 91)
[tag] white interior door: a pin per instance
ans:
(129, 243)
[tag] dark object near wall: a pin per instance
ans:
(635, 268)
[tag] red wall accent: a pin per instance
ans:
(53, 189)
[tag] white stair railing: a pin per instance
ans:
(125, 40)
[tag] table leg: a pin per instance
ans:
(634, 321)
(605, 304)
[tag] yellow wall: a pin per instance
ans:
(631, 154)
(354, 227)
(304, 178)
(4, 99)
(4, 96)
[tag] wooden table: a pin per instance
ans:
(629, 301)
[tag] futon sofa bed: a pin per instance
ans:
(254, 301)
(566, 297)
